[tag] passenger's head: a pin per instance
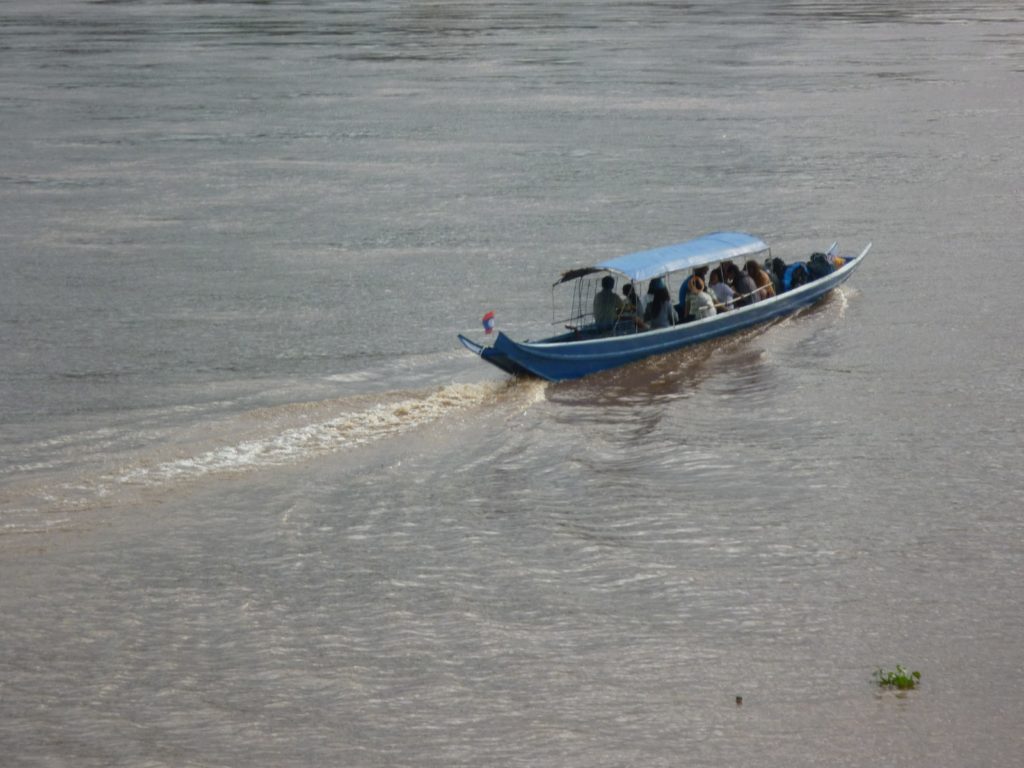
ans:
(702, 271)
(778, 266)
(752, 268)
(608, 282)
(656, 285)
(716, 277)
(696, 284)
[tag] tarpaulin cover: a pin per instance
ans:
(708, 249)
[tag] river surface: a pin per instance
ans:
(258, 507)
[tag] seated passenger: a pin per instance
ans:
(728, 269)
(632, 309)
(694, 299)
(660, 313)
(652, 286)
(743, 284)
(776, 269)
(702, 304)
(819, 266)
(761, 279)
(607, 304)
(684, 291)
(723, 294)
(633, 303)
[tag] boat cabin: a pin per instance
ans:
(672, 265)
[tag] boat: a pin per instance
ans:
(586, 347)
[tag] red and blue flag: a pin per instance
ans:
(488, 322)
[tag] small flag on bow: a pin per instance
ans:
(488, 322)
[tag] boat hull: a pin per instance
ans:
(559, 360)
(492, 356)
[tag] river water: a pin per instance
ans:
(257, 506)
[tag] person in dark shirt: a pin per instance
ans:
(607, 304)
(743, 284)
(634, 304)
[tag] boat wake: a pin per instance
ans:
(842, 301)
(348, 429)
(268, 437)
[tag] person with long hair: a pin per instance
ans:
(743, 284)
(660, 313)
(761, 279)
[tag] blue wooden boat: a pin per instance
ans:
(586, 348)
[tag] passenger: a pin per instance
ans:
(682, 307)
(653, 286)
(819, 266)
(607, 304)
(724, 295)
(632, 301)
(743, 284)
(632, 307)
(728, 270)
(761, 279)
(702, 304)
(695, 298)
(660, 313)
(776, 269)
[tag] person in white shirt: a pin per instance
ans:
(701, 303)
(721, 291)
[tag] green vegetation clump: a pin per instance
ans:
(900, 678)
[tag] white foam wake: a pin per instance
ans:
(345, 430)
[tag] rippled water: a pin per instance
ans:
(257, 507)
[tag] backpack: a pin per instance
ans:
(819, 266)
(795, 276)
